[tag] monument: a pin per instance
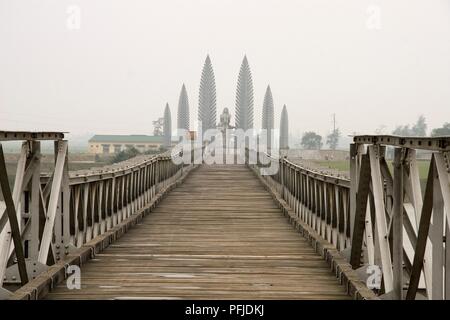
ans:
(183, 109)
(267, 118)
(225, 119)
(167, 127)
(207, 97)
(284, 131)
(244, 98)
(244, 110)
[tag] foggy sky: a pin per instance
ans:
(129, 57)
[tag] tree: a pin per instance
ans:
(333, 138)
(311, 140)
(442, 131)
(126, 154)
(418, 129)
(381, 129)
(402, 130)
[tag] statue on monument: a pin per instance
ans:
(225, 119)
(223, 126)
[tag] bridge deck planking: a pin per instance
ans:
(217, 236)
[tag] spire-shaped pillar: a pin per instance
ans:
(284, 131)
(244, 97)
(267, 117)
(167, 127)
(207, 97)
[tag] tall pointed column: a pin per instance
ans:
(167, 127)
(284, 129)
(244, 97)
(267, 117)
(207, 97)
(183, 110)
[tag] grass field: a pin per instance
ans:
(341, 165)
(344, 165)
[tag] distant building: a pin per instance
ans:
(109, 144)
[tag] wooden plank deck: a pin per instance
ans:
(217, 236)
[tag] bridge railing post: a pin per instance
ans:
(356, 152)
(397, 229)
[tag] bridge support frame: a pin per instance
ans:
(394, 227)
(58, 213)
(397, 228)
(380, 215)
(41, 209)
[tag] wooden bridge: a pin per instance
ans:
(219, 235)
(153, 228)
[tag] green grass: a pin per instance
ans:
(423, 166)
(343, 165)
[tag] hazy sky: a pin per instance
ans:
(371, 62)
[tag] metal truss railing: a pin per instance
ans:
(396, 224)
(319, 199)
(45, 217)
(380, 216)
